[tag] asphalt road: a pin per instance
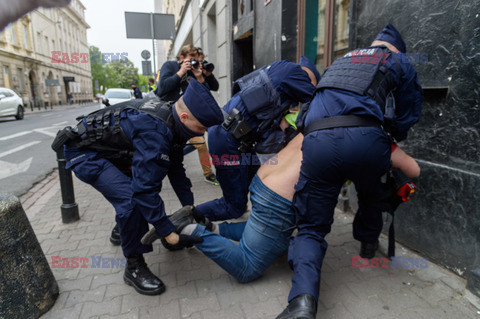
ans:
(25, 153)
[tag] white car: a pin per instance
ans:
(115, 96)
(10, 104)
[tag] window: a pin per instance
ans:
(20, 79)
(326, 30)
(47, 46)
(39, 37)
(53, 45)
(43, 83)
(6, 78)
(25, 37)
(340, 44)
(12, 34)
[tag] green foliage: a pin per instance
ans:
(143, 81)
(118, 74)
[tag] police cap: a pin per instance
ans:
(391, 35)
(201, 103)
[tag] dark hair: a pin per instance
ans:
(151, 80)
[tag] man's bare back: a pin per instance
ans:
(281, 175)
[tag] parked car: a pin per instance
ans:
(10, 104)
(114, 96)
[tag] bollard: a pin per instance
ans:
(69, 207)
(28, 288)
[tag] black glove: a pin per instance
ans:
(202, 220)
(185, 241)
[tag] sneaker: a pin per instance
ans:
(212, 179)
(141, 278)
(115, 236)
(179, 219)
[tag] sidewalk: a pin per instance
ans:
(28, 109)
(197, 288)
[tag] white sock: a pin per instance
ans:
(216, 229)
(189, 229)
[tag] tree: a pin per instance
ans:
(98, 69)
(122, 74)
(111, 74)
(143, 81)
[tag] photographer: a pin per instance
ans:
(174, 79)
(175, 75)
(207, 71)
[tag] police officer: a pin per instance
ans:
(136, 91)
(252, 125)
(146, 137)
(151, 85)
(344, 140)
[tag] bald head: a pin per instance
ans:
(187, 118)
(312, 77)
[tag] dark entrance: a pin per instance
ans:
(35, 101)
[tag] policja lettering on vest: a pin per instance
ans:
(148, 131)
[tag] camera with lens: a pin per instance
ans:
(207, 66)
(195, 64)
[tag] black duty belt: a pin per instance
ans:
(342, 121)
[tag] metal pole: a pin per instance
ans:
(69, 207)
(153, 45)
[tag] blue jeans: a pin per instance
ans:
(233, 178)
(266, 235)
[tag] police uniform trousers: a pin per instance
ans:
(234, 175)
(360, 154)
(116, 187)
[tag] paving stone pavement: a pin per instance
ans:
(197, 288)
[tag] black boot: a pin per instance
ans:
(368, 250)
(115, 236)
(141, 278)
(301, 307)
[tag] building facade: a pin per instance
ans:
(442, 222)
(204, 24)
(37, 56)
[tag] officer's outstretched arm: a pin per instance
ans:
(151, 161)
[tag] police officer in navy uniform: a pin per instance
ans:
(252, 125)
(344, 139)
(136, 91)
(151, 134)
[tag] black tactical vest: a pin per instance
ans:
(364, 72)
(104, 134)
